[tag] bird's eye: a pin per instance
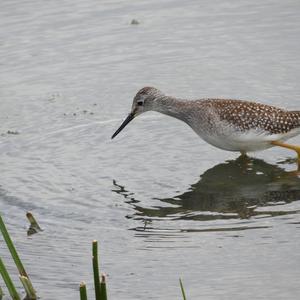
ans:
(140, 103)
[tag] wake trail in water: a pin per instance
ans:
(71, 128)
(81, 126)
(91, 124)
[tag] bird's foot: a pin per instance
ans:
(291, 147)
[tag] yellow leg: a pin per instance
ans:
(292, 147)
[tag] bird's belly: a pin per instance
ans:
(244, 143)
(247, 141)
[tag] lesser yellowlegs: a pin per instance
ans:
(232, 125)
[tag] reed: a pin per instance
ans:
(96, 270)
(12, 249)
(30, 292)
(8, 282)
(182, 289)
(99, 284)
(103, 294)
(82, 289)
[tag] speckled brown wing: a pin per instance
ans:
(246, 115)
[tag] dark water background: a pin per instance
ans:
(162, 203)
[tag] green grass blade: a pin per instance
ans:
(30, 292)
(96, 270)
(6, 278)
(1, 293)
(182, 289)
(14, 253)
(82, 290)
(12, 249)
(103, 294)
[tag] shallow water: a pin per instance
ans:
(162, 203)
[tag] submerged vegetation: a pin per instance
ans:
(99, 279)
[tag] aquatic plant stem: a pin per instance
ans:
(96, 270)
(17, 261)
(12, 249)
(182, 289)
(8, 282)
(82, 290)
(1, 293)
(103, 294)
(30, 292)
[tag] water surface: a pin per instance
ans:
(162, 203)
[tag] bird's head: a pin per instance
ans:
(142, 102)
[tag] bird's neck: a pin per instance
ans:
(172, 106)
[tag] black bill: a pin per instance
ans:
(126, 121)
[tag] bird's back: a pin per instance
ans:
(237, 125)
(247, 115)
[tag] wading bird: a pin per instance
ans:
(232, 125)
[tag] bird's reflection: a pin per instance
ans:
(236, 189)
